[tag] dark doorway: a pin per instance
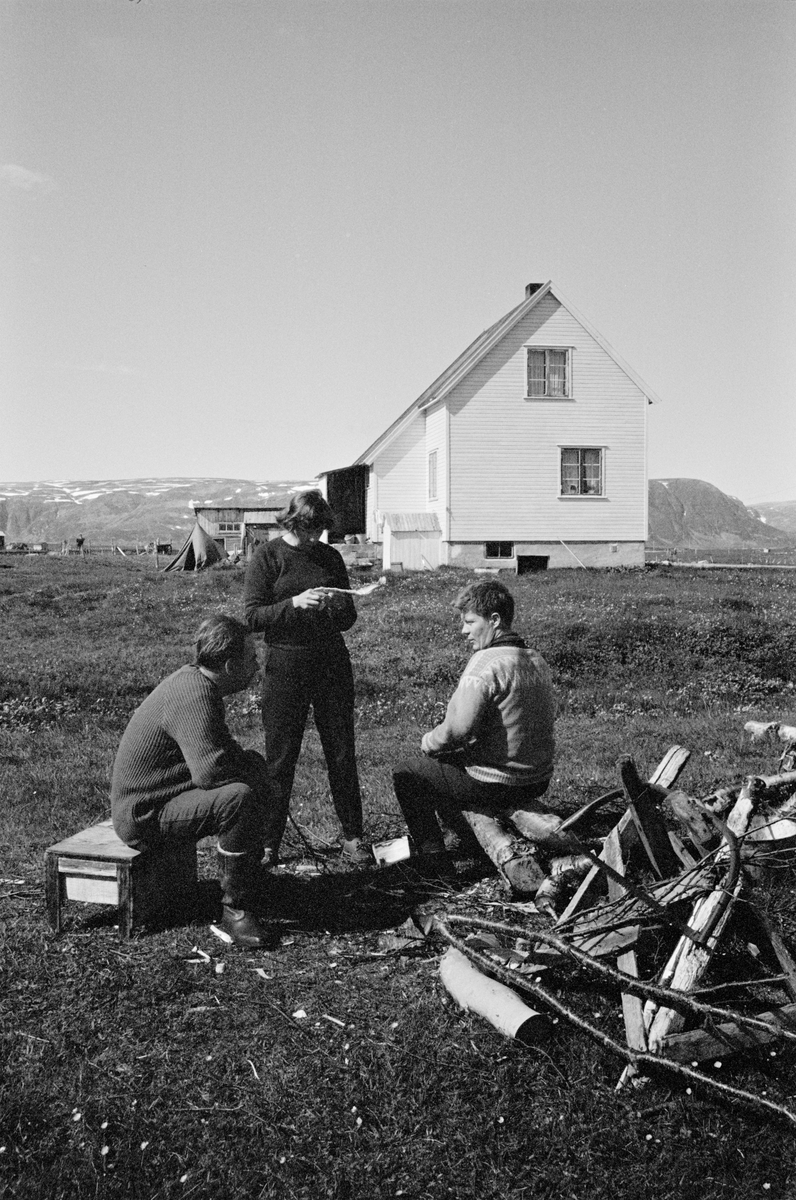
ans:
(345, 491)
(531, 562)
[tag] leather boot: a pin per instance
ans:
(239, 874)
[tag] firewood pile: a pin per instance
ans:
(653, 913)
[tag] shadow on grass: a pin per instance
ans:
(333, 901)
(357, 901)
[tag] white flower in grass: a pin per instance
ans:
(144, 1145)
(105, 1150)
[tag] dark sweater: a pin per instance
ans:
(177, 739)
(277, 573)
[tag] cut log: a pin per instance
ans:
(761, 730)
(699, 1044)
(540, 828)
(506, 851)
(502, 1007)
(496, 842)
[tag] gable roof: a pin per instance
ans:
(477, 350)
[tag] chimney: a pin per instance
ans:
(530, 288)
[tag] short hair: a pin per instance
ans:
(485, 597)
(306, 510)
(219, 639)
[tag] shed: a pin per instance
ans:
(410, 540)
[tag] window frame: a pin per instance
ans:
(229, 526)
(432, 476)
(505, 554)
(581, 469)
(546, 394)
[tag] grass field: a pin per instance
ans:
(130, 1071)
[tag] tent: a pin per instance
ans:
(199, 551)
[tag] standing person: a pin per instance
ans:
(179, 773)
(306, 664)
(494, 749)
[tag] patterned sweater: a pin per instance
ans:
(177, 739)
(501, 716)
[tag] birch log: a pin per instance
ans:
(500, 1006)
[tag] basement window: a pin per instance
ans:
(499, 550)
(581, 471)
(548, 374)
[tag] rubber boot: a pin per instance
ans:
(239, 873)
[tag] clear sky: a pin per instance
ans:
(243, 235)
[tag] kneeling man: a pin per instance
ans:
(494, 750)
(180, 774)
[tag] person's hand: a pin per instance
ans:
(311, 598)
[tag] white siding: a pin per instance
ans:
(400, 472)
(437, 439)
(505, 449)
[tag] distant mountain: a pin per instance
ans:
(692, 513)
(782, 515)
(124, 510)
(682, 512)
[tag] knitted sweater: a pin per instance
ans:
(177, 739)
(277, 573)
(501, 716)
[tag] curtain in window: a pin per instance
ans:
(570, 473)
(536, 373)
(556, 372)
(591, 474)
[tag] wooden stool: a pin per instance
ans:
(96, 867)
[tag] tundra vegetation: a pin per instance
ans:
(147, 1069)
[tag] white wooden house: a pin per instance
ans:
(530, 449)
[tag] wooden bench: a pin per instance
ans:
(96, 867)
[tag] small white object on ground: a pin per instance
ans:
(396, 850)
(220, 934)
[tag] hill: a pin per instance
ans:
(781, 514)
(123, 510)
(682, 512)
(693, 513)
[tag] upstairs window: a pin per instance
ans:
(499, 550)
(432, 475)
(229, 527)
(581, 471)
(548, 374)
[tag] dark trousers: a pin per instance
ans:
(431, 788)
(296, 678)
(236, 812)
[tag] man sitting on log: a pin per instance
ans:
(494, 750)
(180, 774)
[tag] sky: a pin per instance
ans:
(242, 236)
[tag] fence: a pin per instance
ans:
(723, 556)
